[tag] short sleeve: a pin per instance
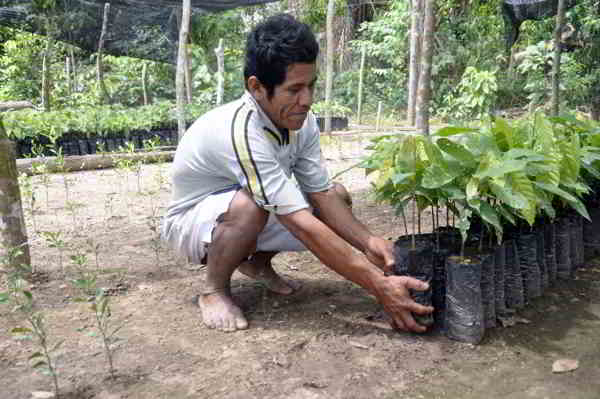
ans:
(310, 170)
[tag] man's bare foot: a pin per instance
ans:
(266, 275)
(219, 311)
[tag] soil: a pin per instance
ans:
(325, 341)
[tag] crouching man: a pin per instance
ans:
(249, 181)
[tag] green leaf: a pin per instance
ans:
(39, 364)
(400, 178)
(472, 189)
(489, 215)
(572, 200)
(502, 168)
(28, 294)
(435, 177)
(454, 130)
(21, 330)
(507, 196)
(457, 151)
(35, 355)
(4, 297)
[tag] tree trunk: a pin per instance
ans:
(14, 105)
(220, 53)
(73, 68)
(560, 20)
(13, 232)
(145, 83)
(188, 74)
(329, 65)
(180, 74)
(415, 54)
(595, 114)
(424, 91)
(68, 75)
(105, 97)
(363, 55)
(46, 76)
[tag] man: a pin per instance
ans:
(246, 174)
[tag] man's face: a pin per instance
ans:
(291, 100)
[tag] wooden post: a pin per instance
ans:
(99, 67)
(220, 53)
(415, 55)
(360, 82)
(188, 74)
(329, 65)
(560, 20)
(145, 83)
(424, 92)
(46, 75)
(180, 74)
(68, 75)
(13, 232)
(378, 116)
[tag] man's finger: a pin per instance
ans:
(414, 284)
(420, 309)
(409, 323)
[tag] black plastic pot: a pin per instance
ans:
(499, 273)
(513, 279)
(464, 307)
(550, 251)
(563, 249)
(488, 274)
(591, 234)
(417, 263)
(438, 286)
(530, 271)
(337, 123)
(541, 256)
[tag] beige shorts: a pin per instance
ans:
(191, 232)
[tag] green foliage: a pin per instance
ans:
(499, 172)
(320, 108)
(475, 95)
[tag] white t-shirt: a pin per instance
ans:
(237, 145)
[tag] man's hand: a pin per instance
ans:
(393, 293)
(380, 252)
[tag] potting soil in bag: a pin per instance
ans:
(527, 249)
(563, 250)
(591, 234)
(464, 307)
(513, 280)
(438, 287)
(487, 289)
(499, 271)
(574, 246)
(541, 256)
(417, 263)
(550, 251)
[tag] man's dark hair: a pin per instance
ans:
(275, 44)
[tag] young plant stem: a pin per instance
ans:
(404, 220)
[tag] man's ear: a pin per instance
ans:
(256, 88)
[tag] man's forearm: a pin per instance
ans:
(338, 216)
(332, 250)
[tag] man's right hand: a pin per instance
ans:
(393, 293)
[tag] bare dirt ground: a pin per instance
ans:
(319, 343)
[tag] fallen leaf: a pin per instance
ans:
(358, 345)
(564, 365)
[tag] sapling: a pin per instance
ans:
(71, 207)
(40, 168)
(108, 206)
(21, 300)
(86, 278)
(95, 248)
(28, 192)
(155, 240)
(54, 240)
(104, 324)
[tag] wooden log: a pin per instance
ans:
(91, 162)
(13, 232)
(15, 105)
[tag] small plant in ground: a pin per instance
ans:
(28, 192)
(62, 169)
(154, 226)
(109, 207)
(54, 240)
(40, 168)
(104, 324)
(86, 278)
(21, 300)
(71, 207)
(95, 249)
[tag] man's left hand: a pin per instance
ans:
(380, 252)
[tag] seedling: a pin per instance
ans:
(21, 300)
(28, 191)
(54, 240)
(155, 241)
(86, 279)
(71, 207)
(95, 248)
(104, 323)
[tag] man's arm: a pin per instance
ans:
(392, 292)
(338, 216)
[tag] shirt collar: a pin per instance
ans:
(284, 134)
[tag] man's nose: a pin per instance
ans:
(306, 97)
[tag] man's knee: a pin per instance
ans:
(343, 193)
(244, 214)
